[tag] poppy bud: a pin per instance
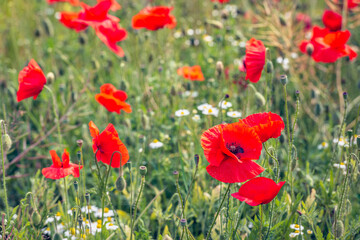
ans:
(260, 99)
(50, 77)
(123, 85)
(173, 91)
(49, 29)
(80, 142)
(143, 170)
(309, 49)
(283, 79)
(176, 174)
(350, 134)
(95, 64)
(282, 20)
(345, 95)
(36, 218)
(196, 159)
(145, 121)
(57, 237)
(82, 39)
(226, 96)
(87, 197)
(183, 222)
(120, 183)
(338, 228)
(294, 164)
(219, 68)
(269, 67)
(6, 142)
(317, 109)
(76, 186)
(282, 139)
(37, 33)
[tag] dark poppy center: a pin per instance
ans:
(235, 148)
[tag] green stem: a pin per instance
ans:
(189, 190)
(3, 172)
(289, 138)
(65, 199)
(271, 216)
(261, 221)
(136, 204)
(55, 113)
(344, 189)
(217, 213)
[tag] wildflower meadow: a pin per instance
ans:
(180, 119)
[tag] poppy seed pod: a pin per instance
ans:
(87, 198)
(120, 183)
(338, 228)
(196, 159)
(36, 218)
(80, 143)
(269, 67)
(143, 170)
(283, 79)
(219, 68)
(57, 237)
(6, 142)
(183, 222)
(309, 49)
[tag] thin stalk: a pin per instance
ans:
(218, 211)
(3, 173)
(289, 138)
(136, 203)
(66, 200)
(344, 189)
(181, 200)
(55, 113)
(182, 235)
(189, 190)
(261, 220)
(271, 216)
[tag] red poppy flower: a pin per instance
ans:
(221, 1)
(154, 18)
(61, 169)
(109, 32)
(230, 149)
(304, 18)
(31, 81)
(332, 20)
(106, 143)
(114, 5)
(112, 99)
(70, 20)
(350, 3)
(193, 73)
(266, 125)
(72, 2)
(254, 59)
(258, 191)
(329, 46)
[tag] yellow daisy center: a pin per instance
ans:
(72, 231)
(155, 141)
(58, 214)
(106, 210)
(297, 225)
(323, 144)
(342, 164)
(297, 231)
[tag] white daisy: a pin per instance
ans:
(156, 144)
(46, 230)
(89, 209)
(49, 220)
(111, 226)
(323, 145)
(341, 165)
(196, 118)
(296, 233)
(211, 111)
(225, 105)
(107, 213)
(342, 142)
(296, 227)
(204, 106)
(182, 112)
(233, 114)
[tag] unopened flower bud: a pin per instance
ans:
(309, 49)
(36, 218)
(297, 94)
(176, 174)
(50, 77)
(120, 183)
(300, 213)
(76, 186)
(173, 91)
(80, 142)
(48, 26)
(143, 170)
(87, 197)
(317, 109)
(338, 228)
(227, 96)
(57, 236)
(282, 20)
(219, 68)
(260, 99)
(78, 154)
(183, 222)
(349, 134)
(6, 140)
(269, 67)
(345, 95)
(196, 159)
(283, 79)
